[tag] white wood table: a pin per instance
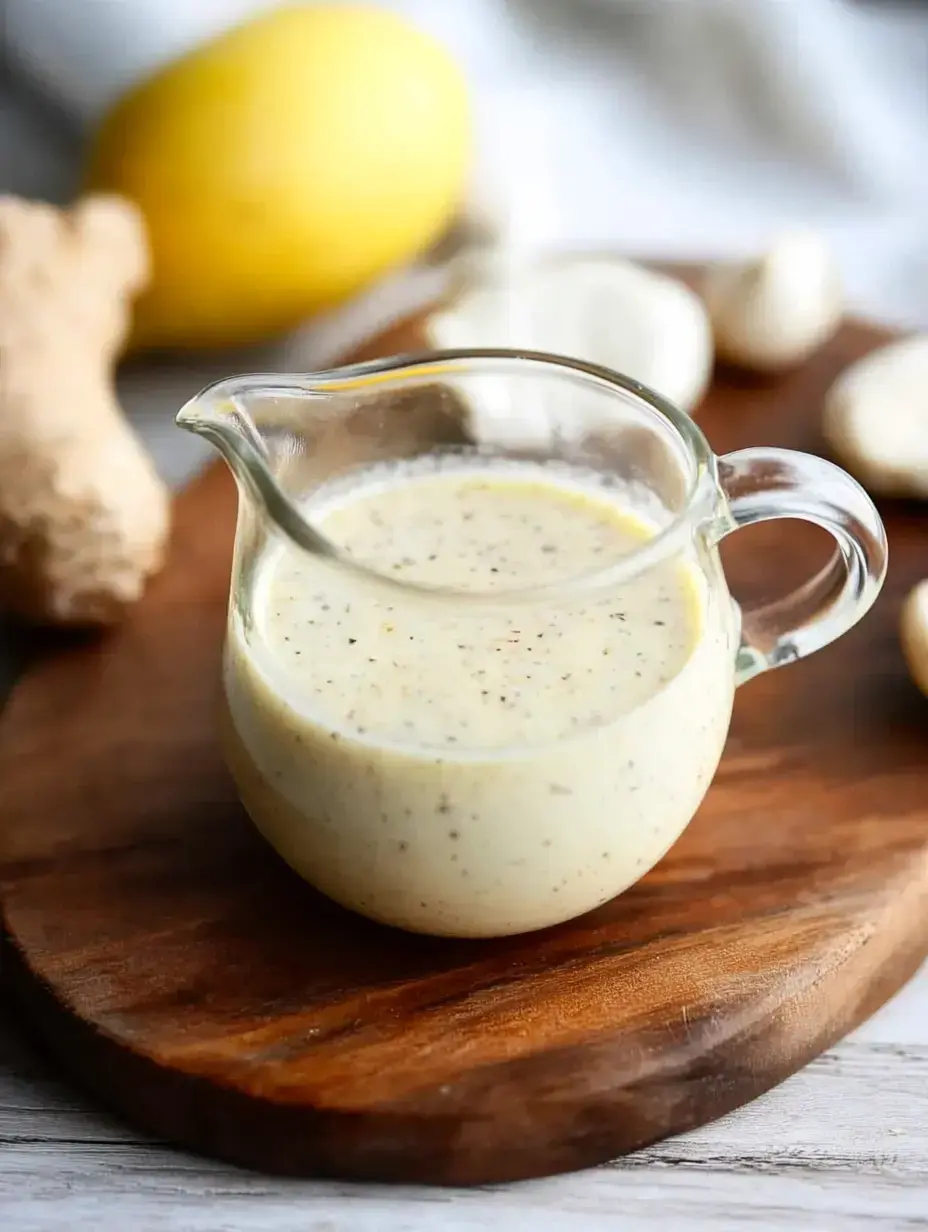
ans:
(842, 1146)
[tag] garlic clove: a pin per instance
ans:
(603, 310)
(773, 312)
(913, 634)
(876, 418)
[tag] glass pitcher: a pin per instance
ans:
(481, 651)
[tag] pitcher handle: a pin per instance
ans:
(761, 484)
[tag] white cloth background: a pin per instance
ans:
(655, 127)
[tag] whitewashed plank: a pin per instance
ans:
(151, 1192)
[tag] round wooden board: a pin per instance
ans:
(182, 972)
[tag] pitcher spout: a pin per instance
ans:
(235, 415)
(220, 413)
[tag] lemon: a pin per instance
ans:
(284, 166)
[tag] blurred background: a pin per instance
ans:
(652, 128)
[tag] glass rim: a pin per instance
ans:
(209, 414)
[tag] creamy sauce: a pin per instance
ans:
(476, 767)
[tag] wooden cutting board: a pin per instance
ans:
(178, 969)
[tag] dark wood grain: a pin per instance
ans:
(182, 972)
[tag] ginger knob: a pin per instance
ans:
(83, 514)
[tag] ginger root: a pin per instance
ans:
(83, 514)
